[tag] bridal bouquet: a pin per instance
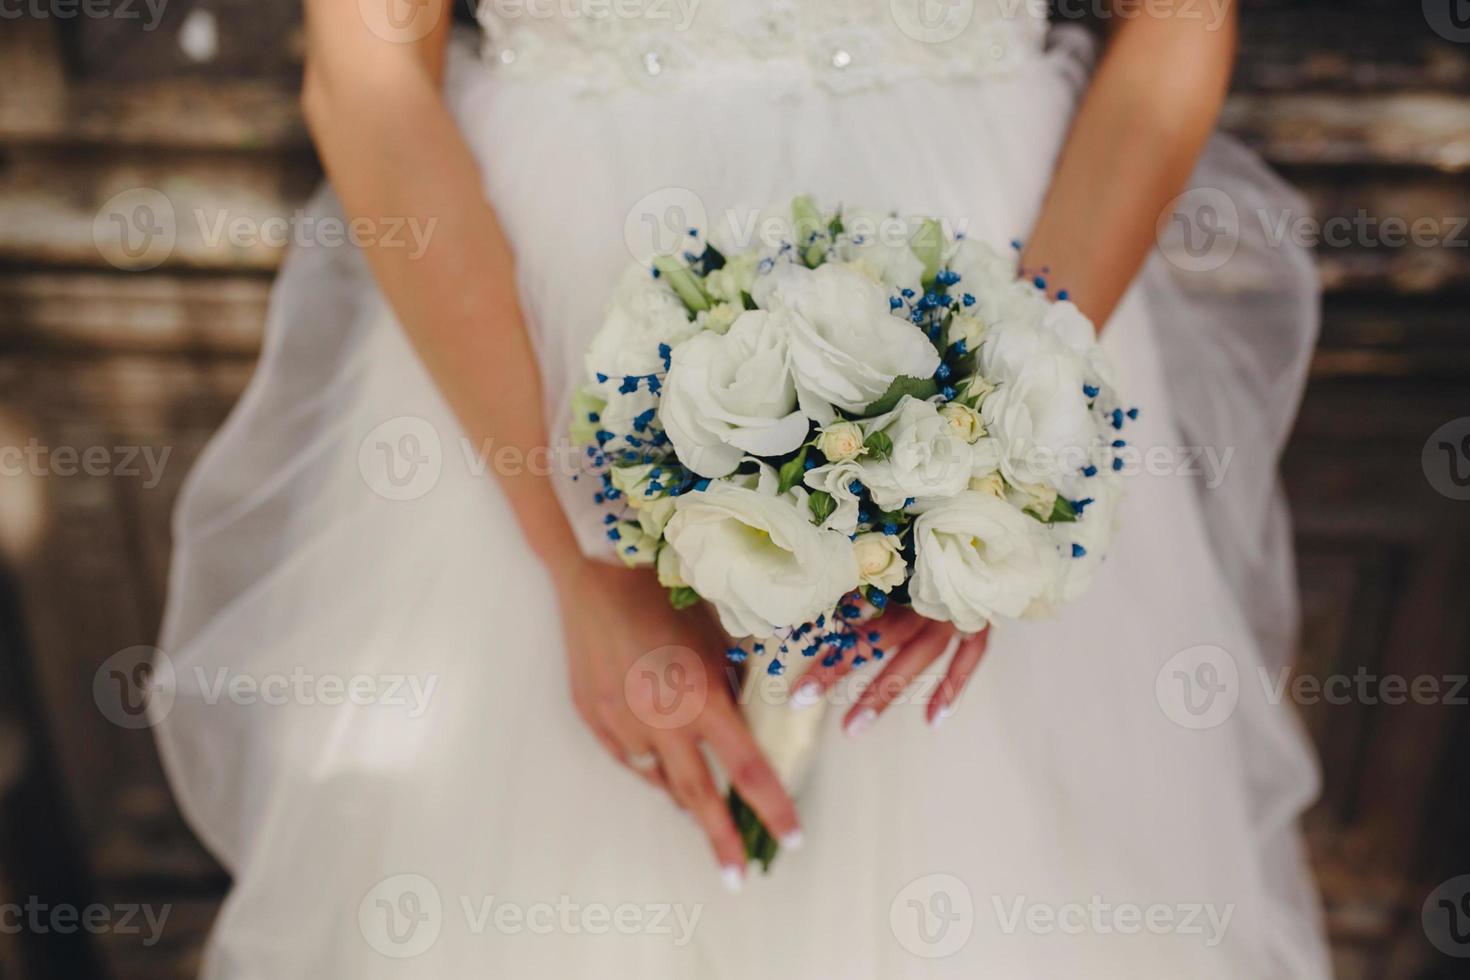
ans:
(857, 408)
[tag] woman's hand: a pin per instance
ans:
(910, 643)
(652, 684)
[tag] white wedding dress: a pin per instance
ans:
(1116, 796)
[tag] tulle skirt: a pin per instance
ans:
(1116, 795)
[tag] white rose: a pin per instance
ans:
(879, 563)
(719, 317)
(636, 482)
(970, 329)
(977, 558)
(654, 516)
(878, 245)
(1041, 419)
(1036, 499)
(633, 546)
(964, 420)
(847, 347)
(928, 459)
(841, 441)
(758, 559)
(837, 480)
(621, 418)
(732, 395)
(668, 567)
(736, 276)
(991, 483)
(989, 278)
(643, 313)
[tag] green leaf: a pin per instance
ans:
(903, 385)
(879, 445)
(927, 244)
(746, 301)
(792, 471)
(683, 281)
(1062, 512)
(683, 597)
(821, 504)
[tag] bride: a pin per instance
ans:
(458, 785)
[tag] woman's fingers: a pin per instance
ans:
(694, 789)
(966, 659)
(884, 633)
(752, 775)
(902, 667)
(628, 740)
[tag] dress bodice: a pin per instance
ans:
(839, 45)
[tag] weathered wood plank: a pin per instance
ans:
(220, 314)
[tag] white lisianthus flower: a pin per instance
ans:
(847, 347)
(667, 566)
(633, 546)
(644, 313)
(878, 245)
(928, 460)
(726, 396)
(841, 441)
(879, 562)
(837, 480)
(758, 559)
(1041, 419)
(977, 558)
(1085, 542)
(964, 420)
(654, 516)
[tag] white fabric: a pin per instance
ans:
(1065, 779)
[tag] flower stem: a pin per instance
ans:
(760, 844)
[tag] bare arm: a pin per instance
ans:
(1151, 106)
(393, 150)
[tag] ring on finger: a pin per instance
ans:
(643, 761)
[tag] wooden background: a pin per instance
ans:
(1362, 103)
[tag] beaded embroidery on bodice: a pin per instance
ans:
(839, 45)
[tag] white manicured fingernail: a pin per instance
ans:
(861, 722)
(942, 714)
(733, 876)
(804, 697)
(793, 840)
